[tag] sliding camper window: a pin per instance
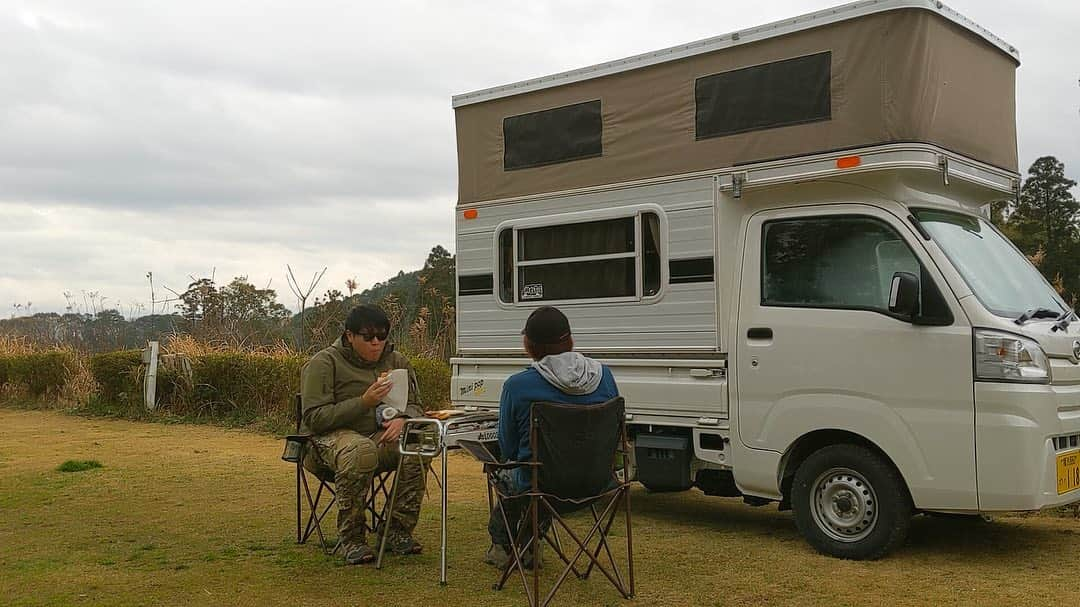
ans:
(617, 258)
(832, 262)
(550, 136)
(781, 93)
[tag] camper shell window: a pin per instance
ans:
(781, 93)
(550, 136)
(617, 258)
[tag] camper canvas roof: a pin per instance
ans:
(864, 74)
(730, 39)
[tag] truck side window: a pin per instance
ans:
(583, 260)
(832, 262)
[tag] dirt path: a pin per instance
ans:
(185, 514)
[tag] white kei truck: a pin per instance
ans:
(777, 239)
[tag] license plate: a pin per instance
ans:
(1068, 471)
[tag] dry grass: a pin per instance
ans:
(10, 345)
(187, 345)
(80, 382)
(196, 515)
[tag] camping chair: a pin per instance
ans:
(577, 451)
(296, 448)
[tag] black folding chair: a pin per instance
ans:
(297, 447)
(578, 451)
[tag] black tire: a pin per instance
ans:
(862, 510)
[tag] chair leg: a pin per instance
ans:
(535, 540)
(583, 549)
(629, 540)
(515, 564)
(603, 543)
(299, 473)
(389, 513)
(431, 471)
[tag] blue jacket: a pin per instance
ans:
(518, 393)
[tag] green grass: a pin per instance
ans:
(201, 515)
(80, 465)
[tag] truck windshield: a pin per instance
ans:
(996, 271)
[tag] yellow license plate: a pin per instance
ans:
(1068, 471)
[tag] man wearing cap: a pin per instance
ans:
(342, 388)
(557, 374)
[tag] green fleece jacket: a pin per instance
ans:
(335, 379)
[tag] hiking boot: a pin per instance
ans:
(498, 556)
(527, 559)
(358, 554)
(403, 543)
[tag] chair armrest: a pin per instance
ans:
(294, 447)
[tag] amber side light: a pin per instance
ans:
(848, 162)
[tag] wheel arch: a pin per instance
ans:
(805, 445)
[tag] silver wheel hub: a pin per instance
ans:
(844, 505)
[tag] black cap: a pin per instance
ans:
(546, 325)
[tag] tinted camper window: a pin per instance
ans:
(610, 258)
(781, 93)
(550, 136)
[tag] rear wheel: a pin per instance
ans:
(850, 502)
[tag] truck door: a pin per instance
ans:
(817, 348)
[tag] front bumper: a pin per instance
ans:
(1015, 448)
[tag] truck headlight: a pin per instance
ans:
(1006, 357)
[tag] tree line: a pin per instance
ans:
(1044, 223)
(243, 316)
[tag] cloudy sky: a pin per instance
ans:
(236, 137)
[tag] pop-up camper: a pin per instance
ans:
(777, 239)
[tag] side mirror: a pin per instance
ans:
(904, 295)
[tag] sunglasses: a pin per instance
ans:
(381, 336)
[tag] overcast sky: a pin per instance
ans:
(188, 137)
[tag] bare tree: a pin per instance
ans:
(302, 296)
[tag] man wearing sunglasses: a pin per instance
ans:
(341, 388)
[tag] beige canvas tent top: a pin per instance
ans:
(862, 74)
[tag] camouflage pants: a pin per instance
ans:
(354, 460)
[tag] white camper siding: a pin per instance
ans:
(674, 391)
(682, 317)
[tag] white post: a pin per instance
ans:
(150, 396)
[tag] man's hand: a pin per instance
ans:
(393, 430)
(376, 392)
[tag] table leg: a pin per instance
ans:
(442, 492)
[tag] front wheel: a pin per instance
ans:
(850, 503)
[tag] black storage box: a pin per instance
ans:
(663, 461)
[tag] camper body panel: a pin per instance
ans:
(681, 317)
(675, 392)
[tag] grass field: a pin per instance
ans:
(198, 515)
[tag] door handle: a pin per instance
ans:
(759, 333)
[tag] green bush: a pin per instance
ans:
(245, 386)
(40, 373)
(4, 370)
(79, 465)
(434, 378)
(118, 375)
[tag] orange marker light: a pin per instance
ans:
(470, 214)
(848, 162)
